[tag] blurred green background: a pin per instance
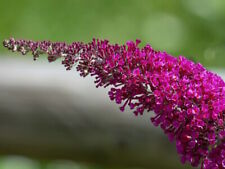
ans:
(192, 28)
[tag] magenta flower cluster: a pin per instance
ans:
(188, 100)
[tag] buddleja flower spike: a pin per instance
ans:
(188, 100)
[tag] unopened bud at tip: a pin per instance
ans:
(6, 43)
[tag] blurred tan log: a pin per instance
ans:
(49, 113)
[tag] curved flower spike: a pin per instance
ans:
(188, 100)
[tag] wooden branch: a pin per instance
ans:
(46, 112)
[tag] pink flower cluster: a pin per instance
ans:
(188, 100)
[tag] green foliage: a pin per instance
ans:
(193, 28)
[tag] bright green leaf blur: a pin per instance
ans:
(193, 28)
